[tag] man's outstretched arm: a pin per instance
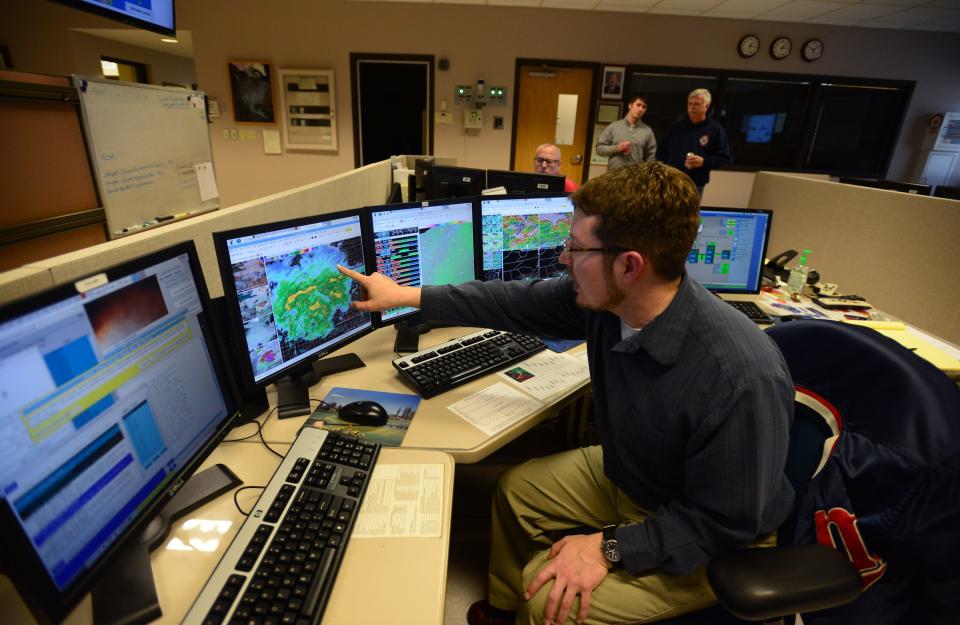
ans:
(381, 292)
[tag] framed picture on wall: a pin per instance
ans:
(612, 82)
(608, 112)
(596, 159)
(251, 88)
(5, 62)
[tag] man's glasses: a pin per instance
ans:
(546, 161)
(570, 248)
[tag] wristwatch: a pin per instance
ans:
(610, 546)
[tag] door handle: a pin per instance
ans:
(577, 159)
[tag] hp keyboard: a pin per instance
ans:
(443, 367)
(751, 310)
(281, 566)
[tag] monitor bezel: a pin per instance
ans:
(231, 301)
(552, 179)
(88, 7)
(46, 602)
(370, 242)
(478, 219)
(430, 184)
(763, 253)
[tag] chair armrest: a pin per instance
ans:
(757, 584)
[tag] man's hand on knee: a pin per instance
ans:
(577, 565)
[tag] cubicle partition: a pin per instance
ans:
(368, 185)
(892, 248)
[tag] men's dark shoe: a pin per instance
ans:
(482, 613)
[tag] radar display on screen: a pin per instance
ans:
(424, 245)
(523, 237)
(293, 300)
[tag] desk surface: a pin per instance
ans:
(381, 580)
(434, 426)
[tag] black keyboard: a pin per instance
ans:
(443, 367)
(751, 310)
(281, 566)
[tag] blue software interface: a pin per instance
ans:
(523, 236)
(728, 253)
(421, 245)
(104, 396)
(294, 302)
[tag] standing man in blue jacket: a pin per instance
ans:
(697, 144)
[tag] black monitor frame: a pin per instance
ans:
(410, 324)
(912, 188)
(293, 381)
(47, 603)
(126, 19)
(525, 182)
(448, 182)
(947, 192)
(478, 220)
(755, 288)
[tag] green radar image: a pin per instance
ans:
(308, 292)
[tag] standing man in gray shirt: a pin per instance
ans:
(693, 406)
(628, 140)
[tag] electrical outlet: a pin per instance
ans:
(443, 117)
(226, 134)
(473, 119)
(497, 122)
(234, 134)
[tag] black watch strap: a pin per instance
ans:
(610, 547)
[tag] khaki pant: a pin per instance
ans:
(540, 498)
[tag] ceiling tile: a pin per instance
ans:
(669, 11)
(862, 11)
(803, 9)
(623, 8)
(692, 5)
(917, 15)
(944, 4)
(902, 3)
(832, 21)
(516, 3)
(751, 7)
(955, 28)
(569, 4)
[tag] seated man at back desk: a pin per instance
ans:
(548, 161)
(693, 407)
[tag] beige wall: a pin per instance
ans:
(481, 42)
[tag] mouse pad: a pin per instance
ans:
(400, 408)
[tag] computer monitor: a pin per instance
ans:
(111, 394)
(421, 171)
(731, 243)
(289, 304)
(524, 182)
(944, 191)
(422, 243)
(445, 181)
(522, 236)
(889, 185)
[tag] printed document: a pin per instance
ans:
(547, 374)
(402, 500)
(495, 408)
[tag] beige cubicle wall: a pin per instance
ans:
(366, 186)
(893, 248)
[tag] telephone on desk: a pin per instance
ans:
(776, 267)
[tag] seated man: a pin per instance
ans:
(547, 161)
(693, 406)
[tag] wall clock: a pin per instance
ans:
(780, 48)
(812, 50)
(748, 46)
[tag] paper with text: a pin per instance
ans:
(206, 181)
(402, 500)
(547, 374)
(495, 408)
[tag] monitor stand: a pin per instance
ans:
(293, 391)
(409, 331)
(124, 593)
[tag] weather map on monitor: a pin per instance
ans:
(417, 245)
(523, 236)
(293, 301)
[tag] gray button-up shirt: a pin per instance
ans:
(693, 413)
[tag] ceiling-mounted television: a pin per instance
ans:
(152, 15)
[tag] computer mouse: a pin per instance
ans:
(364, 413)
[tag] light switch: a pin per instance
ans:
(234, 134)
(226, 134)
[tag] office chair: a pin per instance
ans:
(875, 531)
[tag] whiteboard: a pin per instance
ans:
(150, 147)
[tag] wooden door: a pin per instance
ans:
(539, 95)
